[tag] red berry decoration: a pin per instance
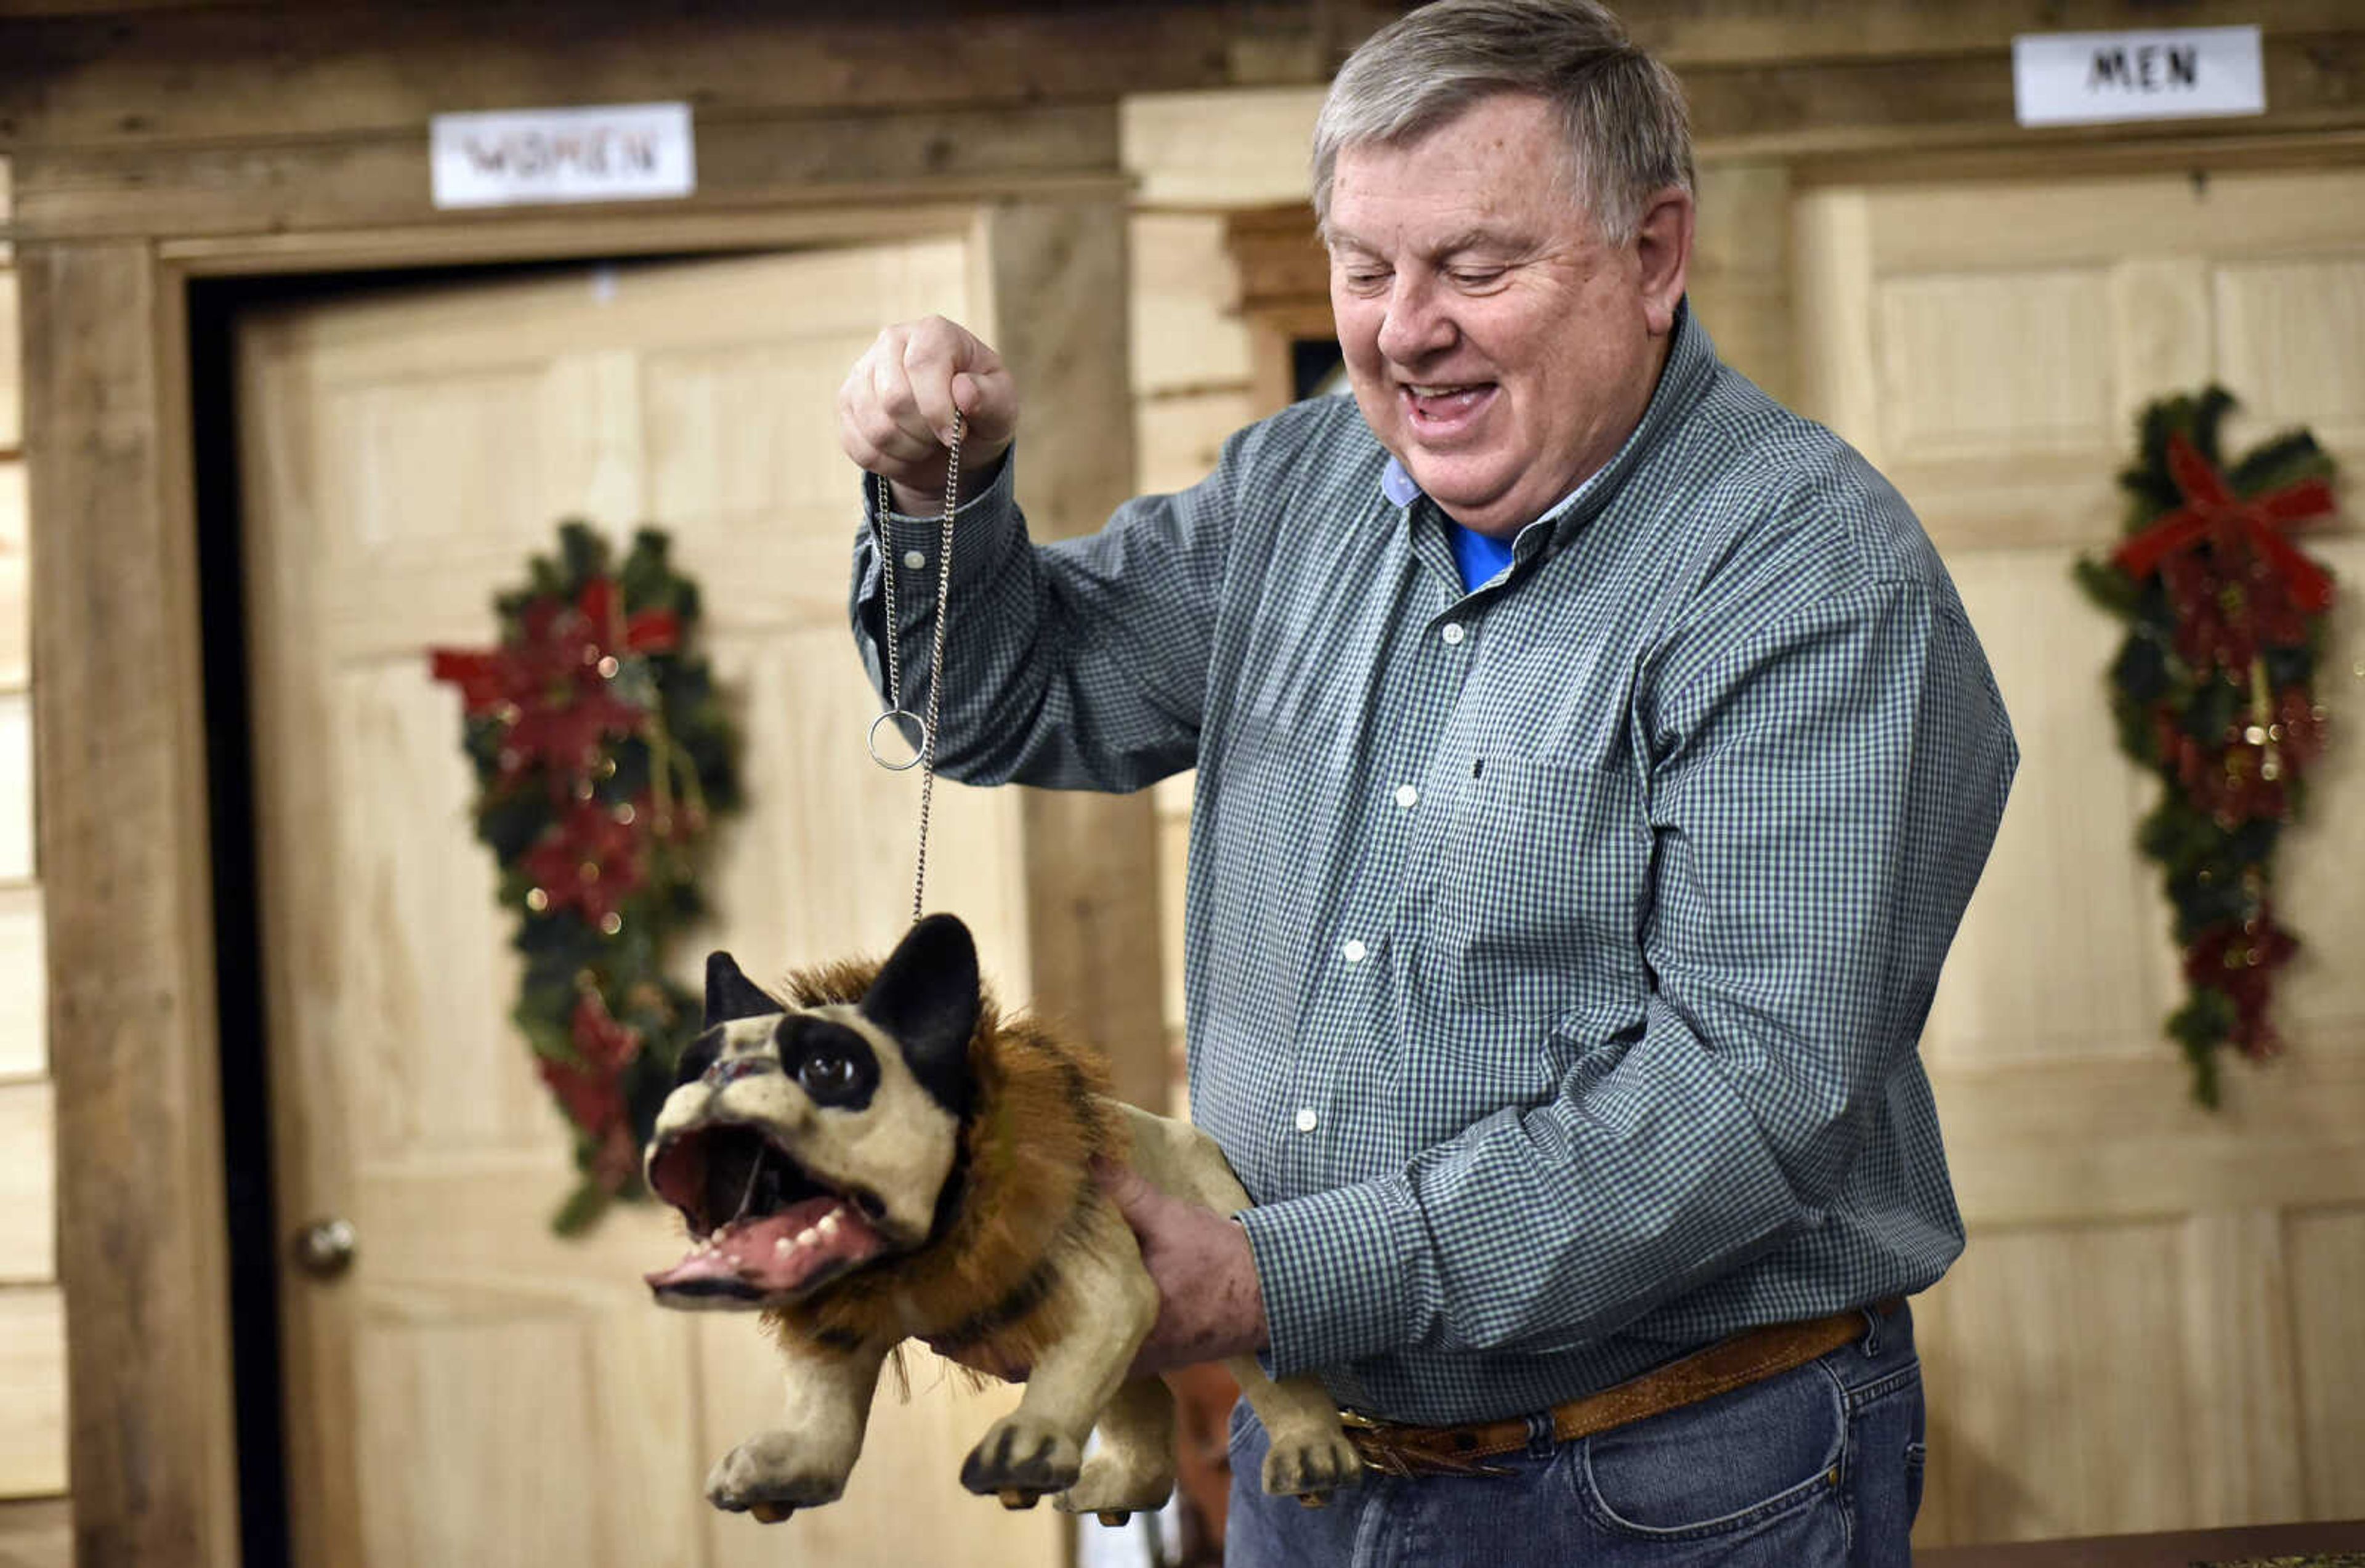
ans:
(2214, 691)
(602, 758)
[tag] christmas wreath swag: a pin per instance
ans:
(2213, 690)
(602, 757)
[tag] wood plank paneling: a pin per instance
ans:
(37, 1534)
(2024, 1368)
(201, 72)
(16, 577)
(2327, 1248)
(2051, 914)
(1173, 802)
(28, 1235)
(1055, 286)
(1221, 148)
(123, 833)
(2124, 1139)
(229, 72)
(2320, 865)
(1693, 35)
(1824, 106)
(2239, 1365)
(1178, 438)
(1740, 284)
(33, 1390)
(278, 187)
(2286, 333)
(1241, 147)
(16, 787)
(12, 405)
(1184, 304)
(24, 985)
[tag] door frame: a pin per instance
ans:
(125, 845)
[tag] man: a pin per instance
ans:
(1594, 761)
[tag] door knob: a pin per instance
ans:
(324, 1248)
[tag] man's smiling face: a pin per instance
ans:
(1497, 345)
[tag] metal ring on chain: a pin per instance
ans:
(926, 759)
(918, 755)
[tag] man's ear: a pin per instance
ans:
(925, 997)
(1663, 250)
(730, 994)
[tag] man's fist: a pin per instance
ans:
(895, 410)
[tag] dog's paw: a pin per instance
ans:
(773, 1474)
(1114, 1489)
(1020, 1459)
(1311, 1466)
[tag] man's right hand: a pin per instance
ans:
(895, 410)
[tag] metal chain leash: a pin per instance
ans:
(924, 757)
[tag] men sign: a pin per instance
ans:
(2168, 73)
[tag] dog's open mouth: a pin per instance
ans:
(766, 1231)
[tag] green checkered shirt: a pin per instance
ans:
(1556, 952)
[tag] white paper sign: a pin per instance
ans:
(616, 152)
(2165, 74)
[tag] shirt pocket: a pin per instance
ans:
(1540, 888)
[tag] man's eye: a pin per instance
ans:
(1475, 277)
(1364, 280)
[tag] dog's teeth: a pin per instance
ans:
(828, 1226)
(808, 1235)
(782, 1245)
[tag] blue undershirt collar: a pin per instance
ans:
(1479, 558)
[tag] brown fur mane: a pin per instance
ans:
(982, 1281)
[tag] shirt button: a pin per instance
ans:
(915, 559)
(1306, 1120)
(1407, 797)
(1454, 633)
(1356, 952)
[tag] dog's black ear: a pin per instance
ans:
(926, 997)
(730, 994)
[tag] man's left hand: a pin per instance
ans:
(1209, 1304)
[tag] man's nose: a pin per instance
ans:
(1417, 324)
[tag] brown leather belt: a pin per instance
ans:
(1746, 1358)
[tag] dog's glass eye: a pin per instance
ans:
(826, 1072)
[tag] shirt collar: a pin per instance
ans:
(1691, 360)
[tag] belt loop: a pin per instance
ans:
(1540, 1437)
(1871, 1331)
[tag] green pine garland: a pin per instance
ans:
(603, 755)
(2213, 691)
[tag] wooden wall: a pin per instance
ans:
(33, 1529)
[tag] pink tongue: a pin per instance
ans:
(779, 1252)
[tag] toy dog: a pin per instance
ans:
(882, 1156)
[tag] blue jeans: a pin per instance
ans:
(1818, 1467)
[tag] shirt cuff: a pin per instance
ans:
(1340, 1272)
(900, 525)
(983, 526)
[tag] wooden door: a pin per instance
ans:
(2156, 1324)
(475, 1390)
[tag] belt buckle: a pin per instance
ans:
(1370, 1440)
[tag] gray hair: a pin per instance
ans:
(1628, 131)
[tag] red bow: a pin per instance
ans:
(2211, 513)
